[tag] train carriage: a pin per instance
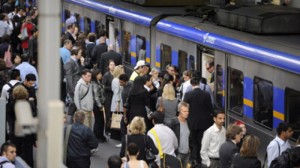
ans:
(256, 76)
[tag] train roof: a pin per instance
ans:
(282, 51)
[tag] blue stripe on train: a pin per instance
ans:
(133, 49)
(248, 94)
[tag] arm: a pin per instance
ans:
(150, 144)
(158, 102)
(122, 151)
(69, 77)
(95, 89)
(76, 96)
(272, 151)
(204, 148)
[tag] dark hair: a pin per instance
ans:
(114, 161)
(283, 126)
(211, 63)
(15, 73)
(74, 51)
(168, 78)
(124, 77)
(95, 72)
(197, 74)
(34, 30)
(30, 77)
(232, 131)
(138, 85)
(133, 149)
(70, 26)
(24, 57)
(216, 113)
(92, 37)
(194, 81)
(5, 146)
(147, 77)
(85, 71)
(5, 38)
(158, 117)
(102, 33)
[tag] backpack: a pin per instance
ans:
(282, 161)
(3, 162)
(10, 92)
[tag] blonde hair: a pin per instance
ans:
(168, 92)
(20, 92)
(118, 71)
(250, 146)
(137, 125)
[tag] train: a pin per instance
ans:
(256, 75)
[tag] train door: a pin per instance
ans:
(205, 61)
(113, 27)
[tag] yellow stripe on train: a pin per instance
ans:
(147, 60)
(157, 64)
(133, 54)
(278, 115)
(248, 102)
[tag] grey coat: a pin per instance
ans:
(73, 73)
(82, 100)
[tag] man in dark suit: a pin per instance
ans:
(70, 31)
(200, 118)
(229, 148)
(98, 51)
(73, 74)
(109, 55)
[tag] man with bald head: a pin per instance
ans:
(109, 55)
(99, 50)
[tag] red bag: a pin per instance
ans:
(7, 58)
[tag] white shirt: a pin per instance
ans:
(212, 140)
(185, 86)
(273, 150)
(168, 140)
(7, 164)
(6, 87)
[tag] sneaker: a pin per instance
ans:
(118, 146)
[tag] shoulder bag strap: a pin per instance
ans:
(86, 92)
(266, 155)
(67, 135)
(278, 147)
(158, 143)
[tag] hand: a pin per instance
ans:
(124, 159)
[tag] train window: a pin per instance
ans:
(165, 55)
(77, 16)
(126, 45)
(140, 48)
(87, 25)
(292, 98)
(263, 102)
(182, 61)
(67, 14)
(220, 88)
(192, 62)
(98, 26)
(236, 85)
(117, 39)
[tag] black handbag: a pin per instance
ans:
(150, 157)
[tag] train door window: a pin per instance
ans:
(67, 15)
(87, 25)
(165, 55)
(182, 61)
(208, 71)
(77, 16)
(98, 26)
(192, 62)
(140, 48)
(292, 98)
(236, 85)
(263, 102)
(126, 46)
(219, 85)
(117, 42)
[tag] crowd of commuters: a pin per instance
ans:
(163, 114)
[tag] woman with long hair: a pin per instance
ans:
(247, 158)
(137, 135)
(169, 102)
(106, 81)
(98, 92)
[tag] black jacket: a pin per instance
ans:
(81, 141)
(105, 57)
(200, 116)
(227, 150)
(245, 162)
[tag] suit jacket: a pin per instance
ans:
(73, 74)
(97, 53)
(109, 55)
(200, 117)
(70, 37)
(226, 152)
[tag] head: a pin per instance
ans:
(35, 32)
(76, 53)
(17, 59)
(24, 57)
(102, 40)
(118, 71)
(186, 75)
(284, 131)
(137, 125)
(250, 146)
(68, 44)
(86, 75)
(123, 79)
(242, 125)
(9, 151)
(96, 75)
(219, 118)
(147, 69)
(20, 93)
(210, 66)
(183, 110)
(154, 72)
(110, 47)
(133, 149)
(168, 92)
(92, 37)
(102, 33)
(71, 27)
(114, 161)
(111, 65)
(170, 69)
(234, 133)
(28, 19)
(29, 80)
(158, 117)
(168, 79)
(148, 80)
(140, 66)
(79, 117)
(194, 82)
(15, 74)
